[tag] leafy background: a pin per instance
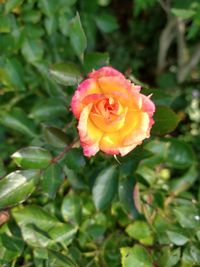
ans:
(59, 208)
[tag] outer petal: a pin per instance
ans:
(87, 87)
(104, 72)
(135, 130)
(118, 150)
(90, 135)
(140, 132)
(147, 105)
(118, 85)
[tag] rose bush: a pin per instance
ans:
(113, 116)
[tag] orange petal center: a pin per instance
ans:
(108, 114)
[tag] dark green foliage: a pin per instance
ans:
(59, 208)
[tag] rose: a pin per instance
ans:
(113, 116)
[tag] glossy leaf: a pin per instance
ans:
(13, 75)
(52, 178)
(57, 259)
(72, 209)
(32, 158)
(47, 109)
(40, 229)
(165, 120)
(125, 192)
(140, 231)
(169, 258)
(32, 50)
(17, 186)
(178, 185)
(55, 136)
(77, 37)
(67, 74)
(105, 187)
(74, 159)
(177, 238)
(179, 155)
(95, 60)
(18, 121)
(136, 256)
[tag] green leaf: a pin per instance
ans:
(179, 154)
(2, 168)
(18, 121)
(32, 158)
(32, 16)
(67, 74)
(178, 185)
(51, 180)
(5, 26)
(147, 173)
(187, 216)
(48, 109)
(11, 243)
(12, 75)
(159, 97)
(125, 192)
(57, 259)
(17, 186)
(95, 60)
(75, 179)
(32, 50)
(107, 23)
(140, 231)
(40, 253)
(48, 7)
(177, 238)
(74, 159)
(72, 209)
(136, 256)
(40, 229)
(77, 37)
(55, 136)
(165, 120)
(169, 258)
(174, 152)
(12, 4)
(51, 25)
(105, 187)
(183, 13)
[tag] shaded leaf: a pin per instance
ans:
(77, 36)
(165, 120)
(55, 136)
(72, 209)
(67, 74)
(51, 180)
(74, 159)
(105, 187)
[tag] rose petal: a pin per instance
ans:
(147, 105)
(140, 132)
(117, 85)
(87, 87)
(105, 71)
(90, 135)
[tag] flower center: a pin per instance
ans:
(108, 114)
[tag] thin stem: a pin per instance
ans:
(66, 149)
